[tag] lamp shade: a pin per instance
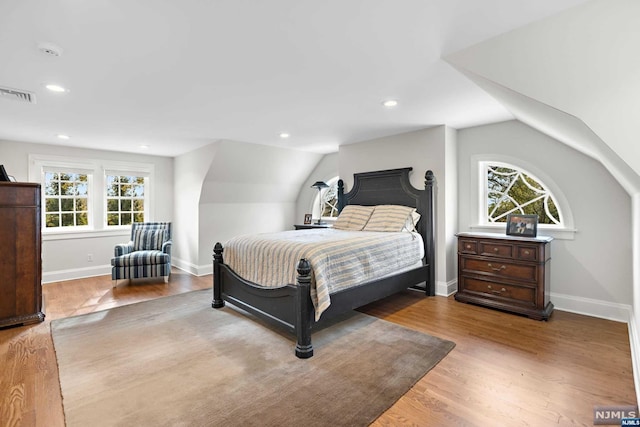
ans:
(320, 184)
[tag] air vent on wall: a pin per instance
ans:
(17, 95)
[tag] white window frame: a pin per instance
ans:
(67, 170)
(128, 169)
(96, 171)
(564, 231)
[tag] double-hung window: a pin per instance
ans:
(125, 198)
(87, 195)
(66, 198)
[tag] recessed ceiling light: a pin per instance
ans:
(284, 135)
(55, 88)
(62, 136)
(144, 147)
(390, 103)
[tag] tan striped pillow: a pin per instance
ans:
(353, 217)
(388, 218)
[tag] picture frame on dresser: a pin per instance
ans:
(522, 225)
(307, 219)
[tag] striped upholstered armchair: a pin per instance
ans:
(148, 254)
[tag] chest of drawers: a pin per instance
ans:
(20, 249)
(505, 272)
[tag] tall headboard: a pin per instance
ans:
(392, 187)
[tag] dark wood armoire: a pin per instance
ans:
(20, 254)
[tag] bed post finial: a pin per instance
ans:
(217, 302)
(304, 311)
(429, 179)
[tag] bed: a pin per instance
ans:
(291, 306)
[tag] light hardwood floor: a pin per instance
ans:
(505, 369)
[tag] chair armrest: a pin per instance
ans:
(166, 247)
(123, 249)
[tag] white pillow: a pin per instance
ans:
(412, 222)
(353, 217)
(389, 218)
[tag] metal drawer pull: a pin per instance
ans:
(493, 291)
(495, 249)
(468, 246)
(526, 252)
(502, 267)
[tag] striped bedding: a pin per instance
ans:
(339, 259)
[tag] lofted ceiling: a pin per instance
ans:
(573, 76)
(166, 77)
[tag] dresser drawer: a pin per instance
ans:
(496, 249)
(499, 268)
(516, 294)
(527, 253)
(466, 246)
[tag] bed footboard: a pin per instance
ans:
(287, 307)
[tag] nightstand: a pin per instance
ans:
(505, 272)
(309, 226)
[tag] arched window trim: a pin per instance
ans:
(564, 231)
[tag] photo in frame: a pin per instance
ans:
(522, 225)
(307, 219)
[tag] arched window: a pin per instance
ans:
(329, 200)
(512, 190)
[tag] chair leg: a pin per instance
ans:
(166, 279)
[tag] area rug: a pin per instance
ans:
(175, 361)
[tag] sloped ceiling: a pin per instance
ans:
(574, 76)
(253, 173)
(177, 75)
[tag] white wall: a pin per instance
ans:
(249, 188)
(326, 169)
(65, 256)
(422, 150)
(592, 273)
(190, 172)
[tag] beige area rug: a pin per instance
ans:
(176, 361)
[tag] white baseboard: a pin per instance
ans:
(196, 270)
(102, 270)
(203, 270)
(445, 289)
(76, 273)
(592, 307)
(184, 265)
(634, 343)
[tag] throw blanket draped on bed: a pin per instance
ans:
(339, 259)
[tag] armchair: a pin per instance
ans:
(148, 254)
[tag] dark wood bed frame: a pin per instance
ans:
(290, 306)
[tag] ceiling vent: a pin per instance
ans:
(17, 95)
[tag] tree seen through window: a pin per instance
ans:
(125, 199)
(66, 199)
(513, 191)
